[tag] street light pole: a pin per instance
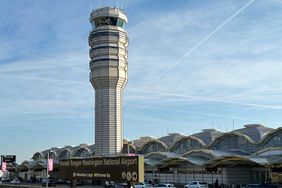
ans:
(128, 148)
(1, 169)
(47, 165)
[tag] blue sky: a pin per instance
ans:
(192, 65)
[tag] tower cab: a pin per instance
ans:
(108, 17)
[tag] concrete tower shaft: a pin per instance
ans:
(108, 41)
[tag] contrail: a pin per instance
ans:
(11, 123)
(199, 113)
(163, 73)
(226, 101)
(211, 99)
(59, 81)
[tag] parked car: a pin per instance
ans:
(15, 181)
(260, 186)
(197, 184)
(77, 182)
(164, 185)
(269, 186)
(51, 182)
(122, 185)
(109, 184)
(116, 185)
(5, 179)
(143, 185)
(60, 181)
(253, 186)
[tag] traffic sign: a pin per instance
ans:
(8, 158)
(122, 168)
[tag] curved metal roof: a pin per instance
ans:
(171, 138)
(37, 153)
(255, 131)
(233, 133)
(183, 139)
(201, 153)
(140, 142)
(163, 154)
(172, 159)
(157, 158)
(26, 162)
(79, 149)
(64, 150)
(150, 142)
(269, 152)
(207, 135)
(270, 135)
(226, 161)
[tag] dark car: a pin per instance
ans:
(109, 184)
(77, 182)
(15, 181)
(5, 179)
(51, 182)
(61, 181)
(253, 186)
(123, 185)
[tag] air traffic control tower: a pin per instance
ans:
(108, 41)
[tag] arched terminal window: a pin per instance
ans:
(275, 141)
(186, 144)
(65, 154)
(82, 152)
(153, 146)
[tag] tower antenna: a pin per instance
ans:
(101, 3)
(233, 123)
(117, 3)
(122, 5)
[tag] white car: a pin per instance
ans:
(15, 182)
(164, 185)
(252, 186)
(197, 184)
(143, 185)
(5, 179)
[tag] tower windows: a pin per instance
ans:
(120, 23)
(103, 21)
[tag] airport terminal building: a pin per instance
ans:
(252, 154)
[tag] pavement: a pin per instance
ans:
(61, 186)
